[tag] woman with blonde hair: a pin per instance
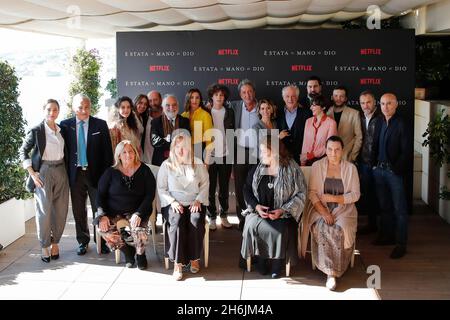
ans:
(183, 185)
(125, 195)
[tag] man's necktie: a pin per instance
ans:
(82, 159)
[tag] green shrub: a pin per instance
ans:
(111, 86)
(85, 69)
(12, 176)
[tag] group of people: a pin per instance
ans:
(196, 151)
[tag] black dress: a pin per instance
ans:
(266, 238)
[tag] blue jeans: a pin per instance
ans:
(392, 199)
(368, 202)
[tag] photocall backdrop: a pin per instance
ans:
(173, 62)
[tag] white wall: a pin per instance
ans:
(12, 223)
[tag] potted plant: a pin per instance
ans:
(437, 137)
(12, 175)
(85, 70)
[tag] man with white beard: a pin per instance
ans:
(162, 128)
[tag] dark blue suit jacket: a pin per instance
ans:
(398, 145)
(98, 149)
(294, 141)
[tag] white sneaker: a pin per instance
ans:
(212, 225)
(225, 223)
(331, 283)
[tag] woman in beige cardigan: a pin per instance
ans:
(331, 215)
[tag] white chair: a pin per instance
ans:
(288, 265)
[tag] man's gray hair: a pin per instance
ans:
(246, 82)
(292, 86)
(167, 96)
(78, 98)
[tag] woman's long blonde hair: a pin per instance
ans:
(181, 136)
(119, 150)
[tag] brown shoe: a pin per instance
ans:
(195, 266)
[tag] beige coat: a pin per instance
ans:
(346, 215)
(349, 130)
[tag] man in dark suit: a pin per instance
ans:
(89, 154)
(292, 117)
(371, 119)
(163, 127)
(391, 155)
(245, 151)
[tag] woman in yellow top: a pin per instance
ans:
(200, 121)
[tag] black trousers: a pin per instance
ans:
(219, 172)
(240, 177)
(184, 234)
(79, 193)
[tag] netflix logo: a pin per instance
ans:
(374, 81)
(371, 51)
(155, 68)
(301, 67)
(228, 81)
(228, 52)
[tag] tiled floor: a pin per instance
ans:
(423, 274)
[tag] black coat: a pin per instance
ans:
(98, 148)
(294, 141)
(397, 145)
(369, 137)
(160, 144)
(35, 142)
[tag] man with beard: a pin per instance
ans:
(155, 101)
(348, 123)
(162, 128)
(370, 121)
(313, 87)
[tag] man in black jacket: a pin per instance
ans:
(371, 119)
(89, 154)
(391, 157)
(292, 117)
(162, 128)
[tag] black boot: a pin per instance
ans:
(276, 268)
(262, 265)
(141, 261)
(129, 253)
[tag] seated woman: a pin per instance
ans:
(275, 193)
(318, 129)
(331, 215)
(124, 124)
(125, 196)
(183, 185)
(47, 179)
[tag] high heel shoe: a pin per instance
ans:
(56, 255)
(45, 255)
